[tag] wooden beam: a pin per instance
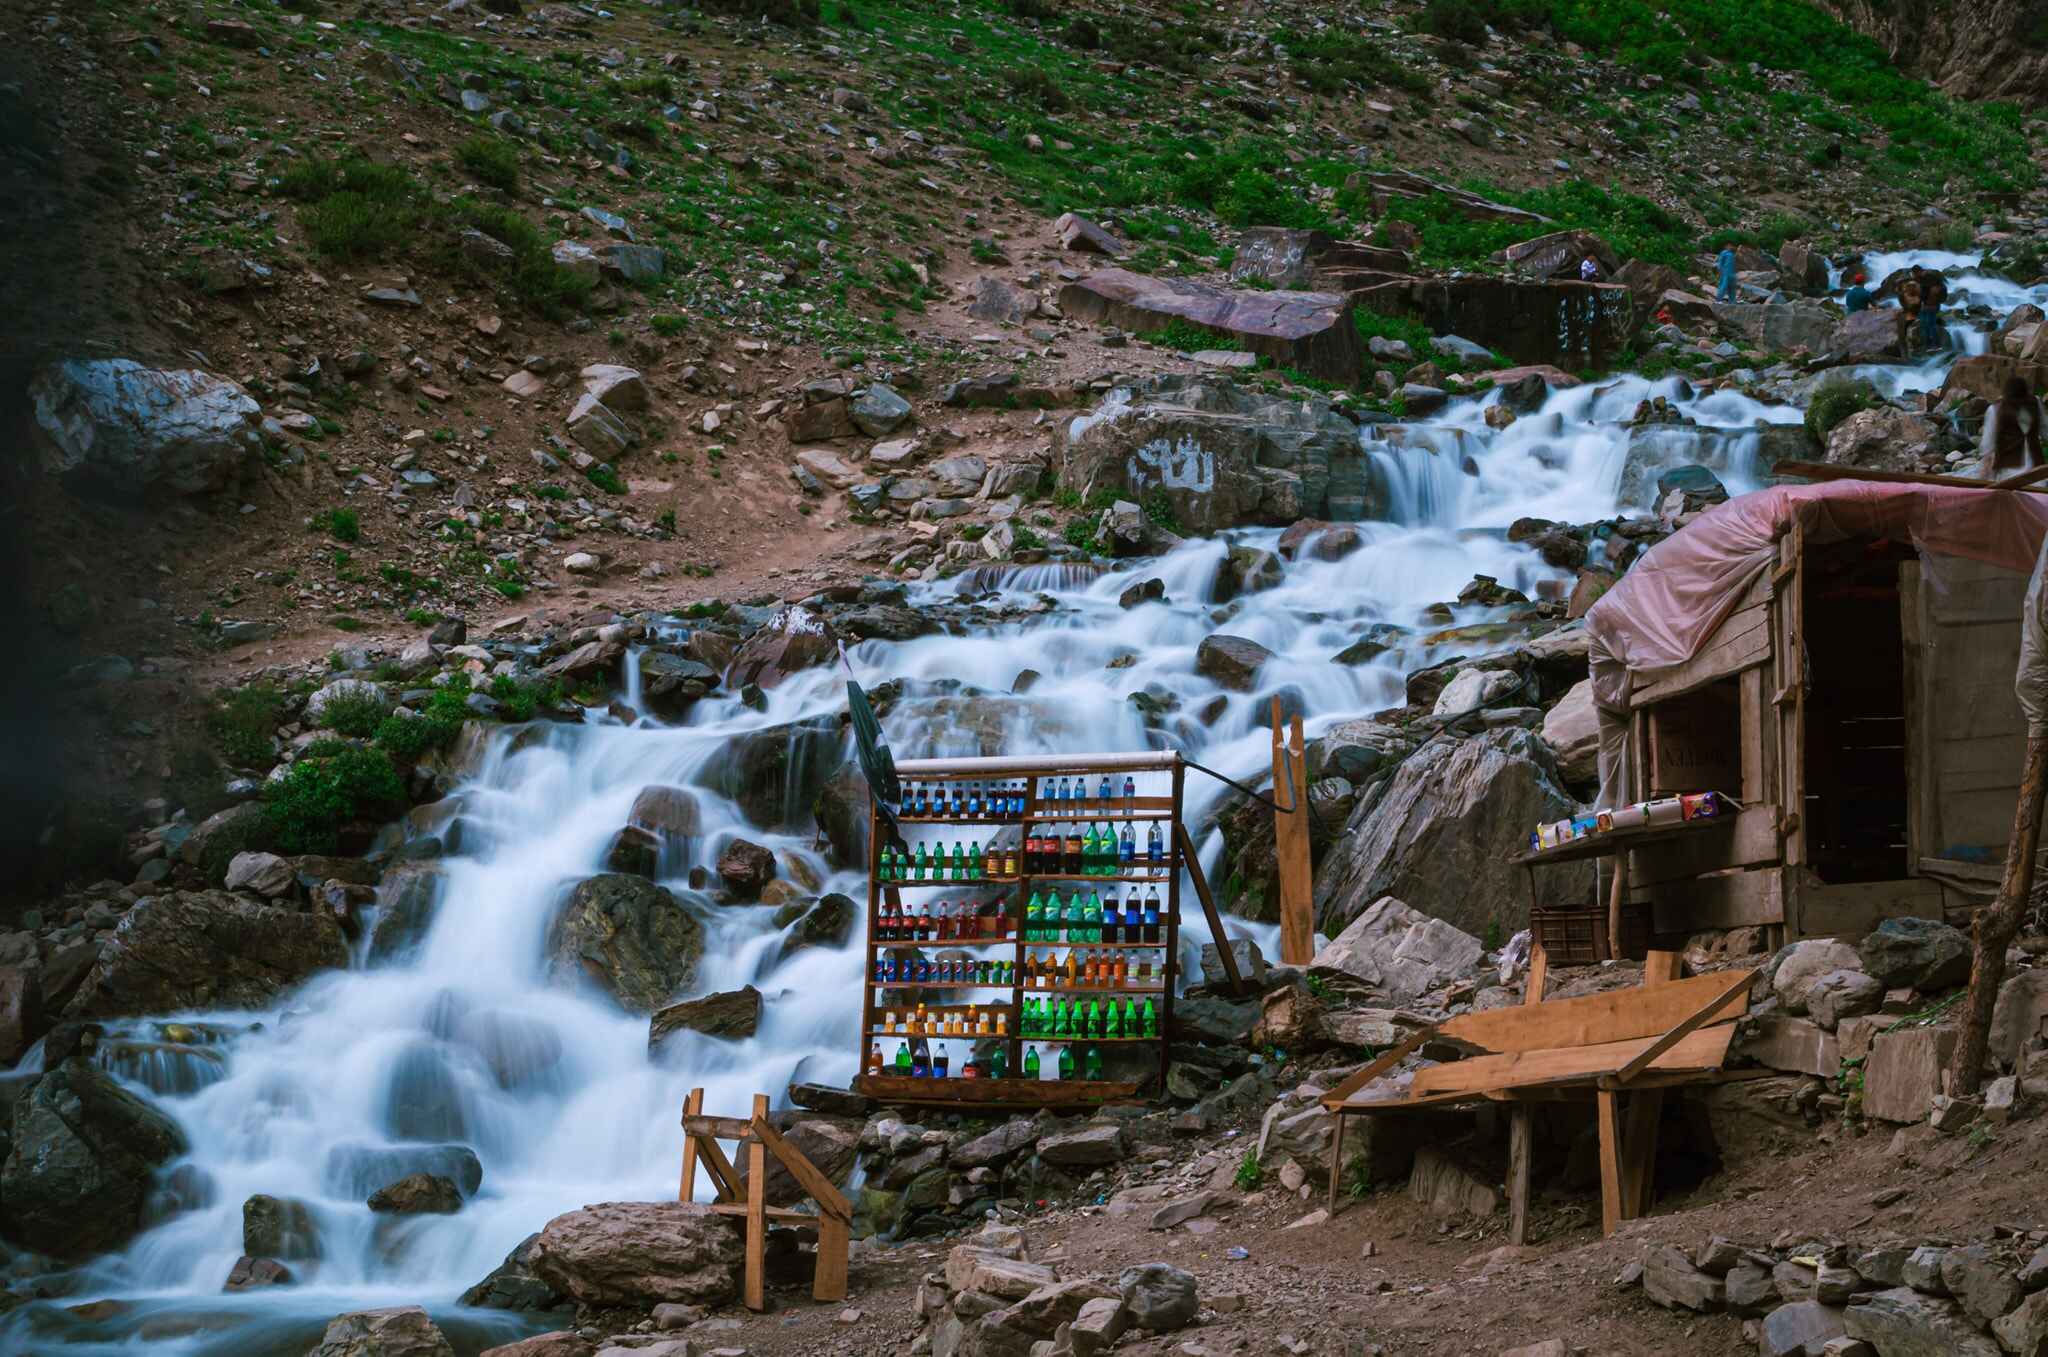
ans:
(1610, 1162)
(1751, 840)
(756, 1278)
(1539, 972)
(693, 1103)
(1821, 471)
(1741, 641)
(1385, 1062)
(1661, 968)
(828, 1282)
(1194, 868)
(1706, 1049)
(815, 1184)
(1698, 1019)
(1589, 1020)
(718, 1128)
(1291, 844)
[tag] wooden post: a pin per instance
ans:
(1610, 1161)
(1614, 905)
(1994, 928)
(1291, 845)
(1336, 1161)
(692, 1106)
(756, 1297)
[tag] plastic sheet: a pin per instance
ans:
(1664, 610)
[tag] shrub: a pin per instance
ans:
(331, 785)
(606, 479)
(518, 700)
(353, 714)
(343, 525)
(243, 722)
(492, 161)
(1834, 401)
(354, 207)
(532, 274)
(1250, 1172)
(1457, 20)
(1037, 85)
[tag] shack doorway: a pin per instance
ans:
(1856, 803)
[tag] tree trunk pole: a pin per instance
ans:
(1996, 927)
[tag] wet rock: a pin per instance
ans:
(840, 809)
(627, 936)
(1440, 833)
(1922, 954)
(670, 683)
(21, 1012)
(1885, 439)
(746, 867)
(732, 1015)
(77, 1174)
(1246, 570)
(1159, 1296)
(1399, 951)
(513, 1286)
(775, 773)
(1571, 325)
(418, 1193)
(355, 1171)
(639, 1253)
(1145, 591)
(406, 903)
(205, 949)
(115, 427)
(826, 923)
(593, 660)
(253, 1274)
(279, 1227)
(794, 639)
(1311, 331)
(1903, 1323)
(403, 1331)
(1231, 661)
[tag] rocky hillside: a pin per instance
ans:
(1984, 49)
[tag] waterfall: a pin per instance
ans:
(461, 1045)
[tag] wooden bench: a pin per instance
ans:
(1634, 1042)
(749, 1199)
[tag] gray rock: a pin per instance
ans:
(1801, 1329)
(1231, 661)
(1923, 954)
(1749, 1290)
(627, 936)
(1400, 951)
(1670, 1279)
(264, 874)
(205, 949)
(1903, 1323)
(1836, 995)
(878, 411)
(997, 1146)
(1981, 1281)
(84, 1151)
(639, 1253)
(1091, 1146)
(1922, 1270)
(402, 1331)
(1159, 1296)
(117, 427)
(1798, 966)
(2025, 1330)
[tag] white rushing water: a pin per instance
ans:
(464, 1042)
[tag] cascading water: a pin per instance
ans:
(464, 1042)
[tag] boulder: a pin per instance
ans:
(1984, 375)
(600, 430)
(1884, 439)
(830, 1145)
(879, 411)
(1839, 995)
(1042, 1313)
(1981, 1282)
(621, 388)
(1159, 1296)
(1245, 570)
(1078, 233)
(1903, 1073)
(219, 838)
(1801, 1329)
(2025, 1330)
(1873, 335)
(794, 639)
(596, 659)
(2020, 1017)
(355, 1171)
(250, 1274)
(995, 1147)
(402, 1331)
(733, 1015)
(1442, 1185)
(512, 1285)
(1783, 1042)
(639, 1253)
(1801, 268)
(627, 936)
(1090, 1146)
(279, 1227)
(1903, 1323)
(1472, 689)
(115, 427)
(1671, 1280)
(973, 1267)
(746, 867)
(79, 1168)
(1776, 325)
(1571, 325)
(827, 922)
(1439, 834)
(205, 949)
(1922, 954)
(1572, 730)
(21, 1011)
(1401, 952)
(417, 1194)
(264, 874)
(1559, 254)
(996, 300)
(1311, 331)
(406, 903)
(1231, 661)
(1796, 968)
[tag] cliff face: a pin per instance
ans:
(1974, 49)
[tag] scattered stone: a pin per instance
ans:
(1159, 1296)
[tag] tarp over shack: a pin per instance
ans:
(1665, 609)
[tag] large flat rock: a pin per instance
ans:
(1571, 325)
(1311, 331)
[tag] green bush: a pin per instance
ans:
(354, 208)
(532, 274)
(243, 722)
(606, 479)
(352, 714)
(332, 784)
(408, 738)
(1457, 20)
(492, 161)
(1836, 400)
(343, 525)
(519, 701)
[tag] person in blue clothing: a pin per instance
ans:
(1933, 292)
(1857, 298)
(1727, 263)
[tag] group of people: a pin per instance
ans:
(1921, 293)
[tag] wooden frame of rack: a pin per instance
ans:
(1011, 944)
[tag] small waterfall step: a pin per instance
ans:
(1350, 484)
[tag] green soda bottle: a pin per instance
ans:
(999, 1061)
(1066, 1062)
(1094, 916)
(903, 1059)
(1031, 1065)
(1112, 1022)
(1032, 909)
(1151, 1020)
(1092, 1027)
(1130, 1017)
(974, 861)
(920, 864)
(1091, 1063)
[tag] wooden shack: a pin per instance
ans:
(1858, 703)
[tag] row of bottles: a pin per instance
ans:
(936, 862)
(1090, 970)
(1067, 1018)
(917, 1059)
(944, 921)
(923, 970)
(1067, 796)
(1133, 922)
(971, 1021)
(1093, 850)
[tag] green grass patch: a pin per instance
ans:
(244, 721)
(355, 714)
(1181, 334)
(343, 525)
(492, 161)
(331, 785)
(1834, 401)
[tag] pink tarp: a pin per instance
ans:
(1662, 612)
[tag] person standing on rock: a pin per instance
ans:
(1727, 266)
(1909, 301)
(1933, 292)
(2011, 441)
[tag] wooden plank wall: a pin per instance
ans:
(1965, 761)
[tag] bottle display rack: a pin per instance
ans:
(1030, 936)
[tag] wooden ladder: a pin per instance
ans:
(749, 1200)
